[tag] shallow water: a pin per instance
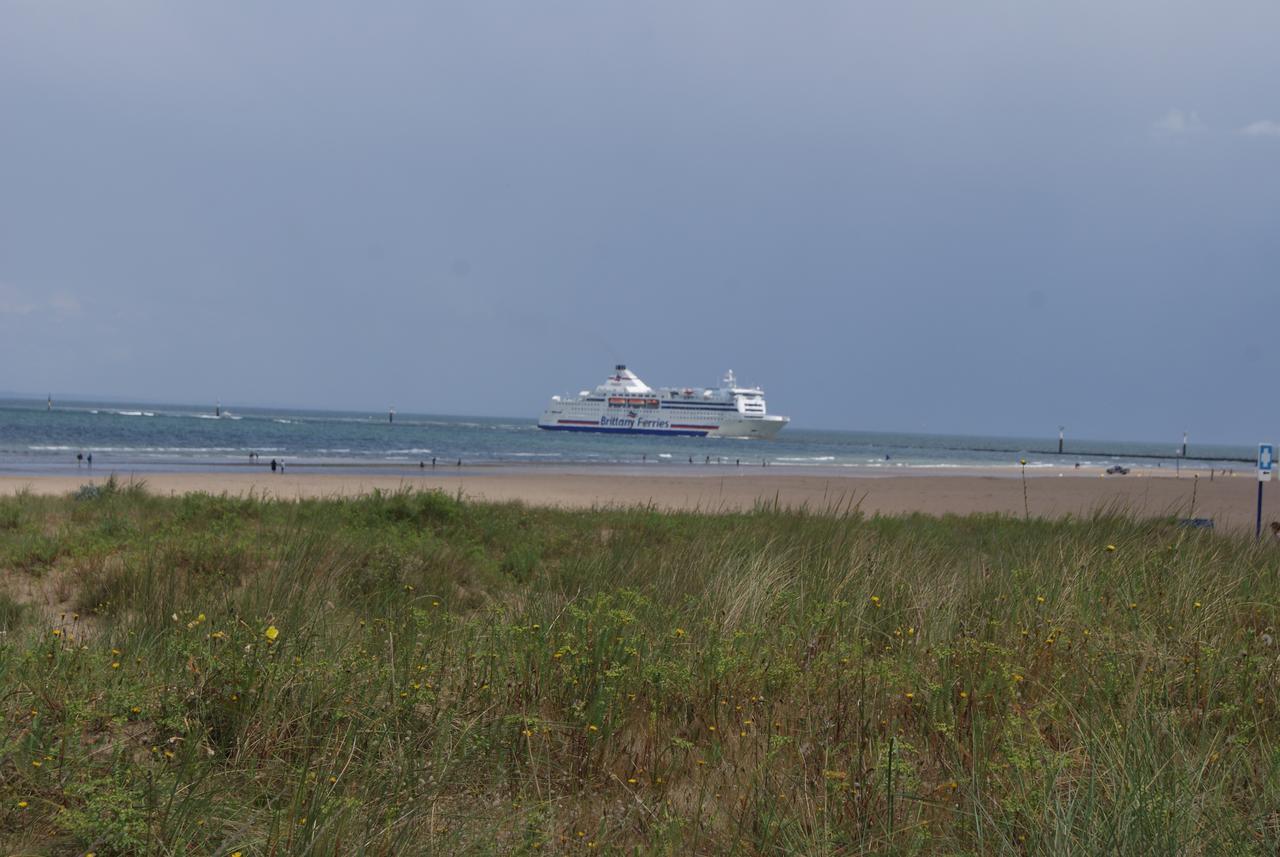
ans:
(154, 438)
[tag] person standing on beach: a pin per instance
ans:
(273, 465)
(79, 459)
(90, 460)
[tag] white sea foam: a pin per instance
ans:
(140, 449)
(807, 458)
(413, 451)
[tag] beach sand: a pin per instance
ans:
(1229, 500)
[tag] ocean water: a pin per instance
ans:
(127, 438)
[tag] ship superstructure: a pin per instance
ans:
(626, 405)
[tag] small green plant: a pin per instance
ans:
(10, 516)
(11, 613)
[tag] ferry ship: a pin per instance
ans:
(624, 404)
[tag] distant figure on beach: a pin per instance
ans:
(79, 458)
(273, 465)
(89, 459)
(433, 462)
(644, 457)
(282, 465)
(691, 459)
(422, 465)
(459, 462)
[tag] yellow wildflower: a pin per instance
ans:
(1111, 548)
(271, 633)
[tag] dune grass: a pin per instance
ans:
(411, 674)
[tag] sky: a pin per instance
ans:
(977, 217)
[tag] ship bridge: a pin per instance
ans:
(623, 382)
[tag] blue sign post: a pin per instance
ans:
(1266, 461)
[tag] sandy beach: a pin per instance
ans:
(1229, 500)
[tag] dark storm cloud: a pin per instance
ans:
(987, 217)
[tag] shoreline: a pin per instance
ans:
(1050, 493)
(409, 468)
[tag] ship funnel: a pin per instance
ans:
(621, 367)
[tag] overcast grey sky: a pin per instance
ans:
(988, 217)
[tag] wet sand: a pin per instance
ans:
(1229, 500)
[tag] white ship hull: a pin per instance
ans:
(683, 425)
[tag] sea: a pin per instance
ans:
(153, 438)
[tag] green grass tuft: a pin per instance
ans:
(407, 673)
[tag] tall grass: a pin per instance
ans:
(407, 674)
